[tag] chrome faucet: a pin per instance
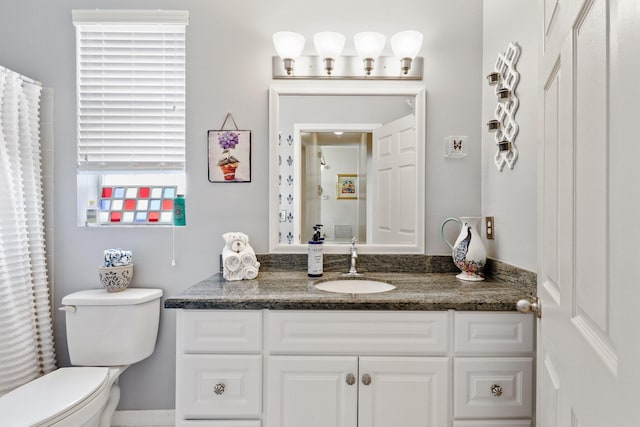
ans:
(354, 257)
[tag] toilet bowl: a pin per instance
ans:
(67, 397)
(106, 332)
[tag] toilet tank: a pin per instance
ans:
(111, 328)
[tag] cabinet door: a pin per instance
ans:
(493, 387)
(404, 391)
(210, 386)
(312, 391)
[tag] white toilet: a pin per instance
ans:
(106, 332)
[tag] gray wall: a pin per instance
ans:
(229, 70)
(510, 196)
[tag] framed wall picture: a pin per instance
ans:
(229, 154)
(347, 186)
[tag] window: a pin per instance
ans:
(130, 71)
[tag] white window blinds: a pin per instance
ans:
(130, 90)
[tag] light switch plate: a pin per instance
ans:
(490, 227)
(455, 146)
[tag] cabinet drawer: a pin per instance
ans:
(209, 331)
(362, 333)
(499, 387)
(481, 334)
(492, 423)
(214, 386)
(219, 423)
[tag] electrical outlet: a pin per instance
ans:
(489, 230)
(455, 146)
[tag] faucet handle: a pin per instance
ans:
(354, 239)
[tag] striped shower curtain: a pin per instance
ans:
(26, 335)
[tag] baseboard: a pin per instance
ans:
(154, 418)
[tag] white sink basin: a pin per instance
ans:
(354, 286)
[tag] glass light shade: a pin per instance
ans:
(289, 45)
(406, 44)
(328, 44)
(369, 44)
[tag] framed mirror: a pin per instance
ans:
(350, 157)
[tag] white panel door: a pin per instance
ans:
(588, 359)
(312, 391)
(403, 391)
(394, 182)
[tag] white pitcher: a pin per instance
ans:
(469, 253)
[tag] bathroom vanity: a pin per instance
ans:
(277, 352)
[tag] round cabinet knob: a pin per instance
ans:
(351, 379)
(366, 379)
(526, 306)
(218, 389)
(496, 390)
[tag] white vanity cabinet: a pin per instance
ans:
(347, 369)
(350, 391)
(292, 368)
(218, 368)
(493, 369)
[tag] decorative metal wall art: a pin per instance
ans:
(505, 78)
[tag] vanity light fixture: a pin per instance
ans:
(289, 46)
(369, 46)
(329, 64)
(405, 46)
(329, 46)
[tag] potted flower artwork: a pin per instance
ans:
(228, 164)
(229, 153)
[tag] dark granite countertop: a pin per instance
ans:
(280, 290)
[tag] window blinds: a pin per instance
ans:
(130, 90)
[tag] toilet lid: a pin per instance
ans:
(129, 296)
(52, 395)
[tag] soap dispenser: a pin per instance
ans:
(315, 262)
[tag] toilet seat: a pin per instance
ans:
(54, 396)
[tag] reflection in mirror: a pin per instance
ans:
(352, 161)
(333, 186)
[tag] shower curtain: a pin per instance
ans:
(26, 335)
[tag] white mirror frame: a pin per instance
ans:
(348, 88)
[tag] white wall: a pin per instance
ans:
(342, 160)
(229, 70)
(510, 196)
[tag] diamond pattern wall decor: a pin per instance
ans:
(505, 126)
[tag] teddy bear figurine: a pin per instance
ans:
(238, 258)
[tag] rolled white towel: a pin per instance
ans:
(250, 272)
(230, 260)
(232, 263)
(248, 258)
(231, 276)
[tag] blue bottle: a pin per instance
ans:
(179, 214)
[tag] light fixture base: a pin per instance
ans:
(405, 65)
(347, 68)
(288, 65)
(368, 65)
(328, 65)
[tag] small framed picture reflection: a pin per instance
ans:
(347, 186)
